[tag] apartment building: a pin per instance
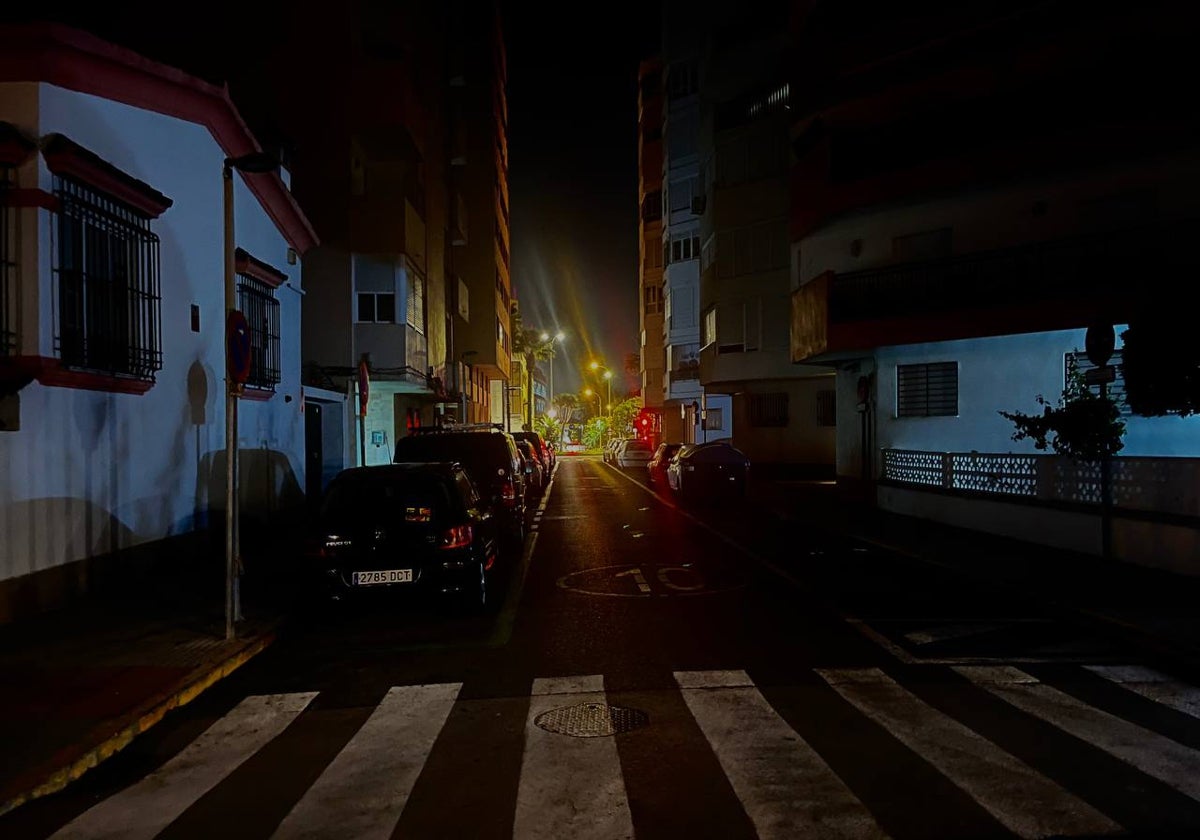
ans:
(650, 241)
(689, 415)
(972, 189)
(478, 109)
(782, 414)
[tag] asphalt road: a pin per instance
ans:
(666, 672)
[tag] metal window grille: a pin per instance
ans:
(257, 302)
(107, 284)
(827, 407)
(768, 409)
(927, 390)
(1116, 388)
(8, 267)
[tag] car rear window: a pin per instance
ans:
(480, 454)
(413, 499)
(637, 446)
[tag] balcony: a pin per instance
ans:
(1057, 284)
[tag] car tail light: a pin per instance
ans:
(508, 493)
(315, 547)
(459, 536)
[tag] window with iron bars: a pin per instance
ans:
(257, 302)
(8, 267)
(107, 292)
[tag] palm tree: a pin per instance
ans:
(527, 342)
(566, 403)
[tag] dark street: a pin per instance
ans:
(701, 679)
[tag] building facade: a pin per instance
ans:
(955, 230)
(782, 414)
(478, 140)
(112, 368)
(650, 239)
(686, 415)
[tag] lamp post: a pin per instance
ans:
(254, 162)
(550, 339)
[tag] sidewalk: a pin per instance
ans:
(1157, 610)
(82, 682)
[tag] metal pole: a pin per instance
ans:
(230, 410)
(362, 426)
(1105, 494)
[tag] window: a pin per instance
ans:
(927, 390)
(768, 410)
(653, 299)
(376, 308)
(652, 206)
(653, 253)
(107, 284)
(256, 300)
(1116, 388)
(416, 301)
(827, 407)
(714, 420)
(8, 268)
(710, 327)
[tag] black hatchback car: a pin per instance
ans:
(490, 458)
(403, 527)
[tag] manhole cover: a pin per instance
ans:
(591, 720)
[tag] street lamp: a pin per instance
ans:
(546, 338)
(253, 162)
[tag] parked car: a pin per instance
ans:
(490, 458)
(634, 453)
(610, 450)
(418, 528)
(709, 471)
(532, 467)
(656, 469)
(545, 453)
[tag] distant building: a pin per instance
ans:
(112, 318)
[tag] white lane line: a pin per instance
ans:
(589, 684)
(150, 805)
(1154, 685)
(1023, 800)
(569, 787)
(786, 788)
(364, 789)
(1153, 754)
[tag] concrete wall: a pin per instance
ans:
(92, 472)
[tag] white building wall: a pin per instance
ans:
(1003, 373)
(90, 472)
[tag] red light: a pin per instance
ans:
(508, 494)
(459, 536)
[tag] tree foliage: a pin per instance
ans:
(594, 431)
(1083, 425)
(565, 403)
(623, 415)
(548, 427)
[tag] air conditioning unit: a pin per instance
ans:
(698, 204)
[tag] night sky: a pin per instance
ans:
(573, 175)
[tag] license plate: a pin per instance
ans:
(385, 576)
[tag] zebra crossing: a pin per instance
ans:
(786, 784)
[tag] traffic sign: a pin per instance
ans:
(237, 348)
(1100, 341)
(364, 387)
(1100, 375)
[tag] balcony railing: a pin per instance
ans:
(685, 374)
(1091, 266)
(1162, 485)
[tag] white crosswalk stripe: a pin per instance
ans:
(786, 788)
(146, 808)
(1154, 685)
(576, 786)
(364, 789)
(569, 787)
(1153, 754)
(1023, 800)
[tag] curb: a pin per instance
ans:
(140, 719)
